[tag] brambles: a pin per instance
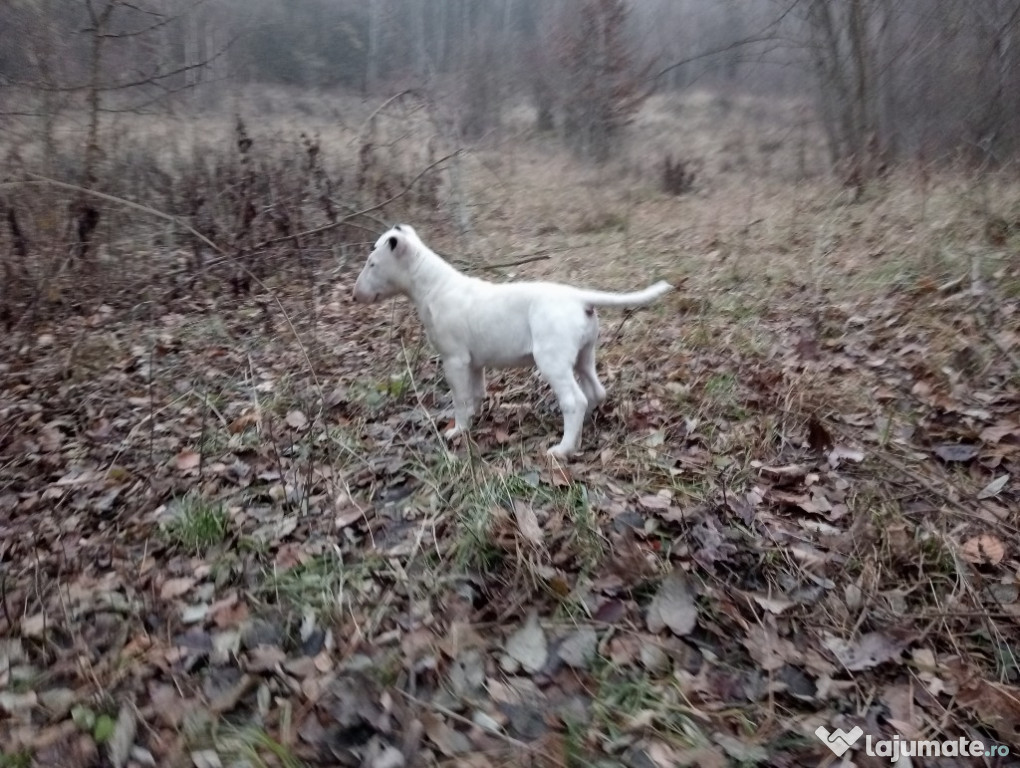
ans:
(248, 210)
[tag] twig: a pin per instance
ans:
(930, 487)
(363, 211)
(619, 329)
(381, 107)
(152, 79)
(152, 410)
(503, 265)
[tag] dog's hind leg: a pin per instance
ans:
(573, 402)
(588, 377)
(459, 377)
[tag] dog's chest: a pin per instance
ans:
(428, 319)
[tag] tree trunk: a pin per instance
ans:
(372, 62)
(99, 22)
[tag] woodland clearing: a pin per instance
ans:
(230, 532)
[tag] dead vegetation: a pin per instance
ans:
(230, 533)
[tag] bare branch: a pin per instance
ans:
(766, 34)
(362, 212)
(152, 79)
(163, 21)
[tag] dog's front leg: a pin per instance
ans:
(477, 389)
(458, 376)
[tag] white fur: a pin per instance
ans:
(475, 324)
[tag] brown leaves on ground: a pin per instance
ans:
(673, 606)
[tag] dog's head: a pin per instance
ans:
(386, 272)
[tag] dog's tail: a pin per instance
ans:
(635, 299)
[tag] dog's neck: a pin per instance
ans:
(429, 272)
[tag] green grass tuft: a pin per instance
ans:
(198, 525)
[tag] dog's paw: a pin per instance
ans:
(453, 432)
(559, 452)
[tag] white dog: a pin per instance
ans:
(473, 323)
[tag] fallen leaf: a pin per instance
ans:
(448, 740)
(242, 422)
(102, 731)
(170, 708)
(841, 452)
(33, 626)
(866, 652)
(673, 606)
(527, 521)
(388, 757)
(983, 550)
(187, 460)
(955, 451)
(578, 649)
(528, 645)
(83, 717)
(654, 658)
(655, 439)
(999, 432)
(296, 419)
(610, 611)
(265, 658)
(348, 516)
(654, 502)
(459, 636)
(742, 751)
(173, 588)
(659, 755)
(624, 650)
(58, 701)
(993, 488)
(206, 758)
(998, 704)
(771, 604)
(119, 745)
(12, 703)
(769, 650)
(194, 614)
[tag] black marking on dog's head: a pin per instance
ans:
(393, 243)
(589, 310)
(397, 227)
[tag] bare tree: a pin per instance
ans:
(843, 42)
(602, 86)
